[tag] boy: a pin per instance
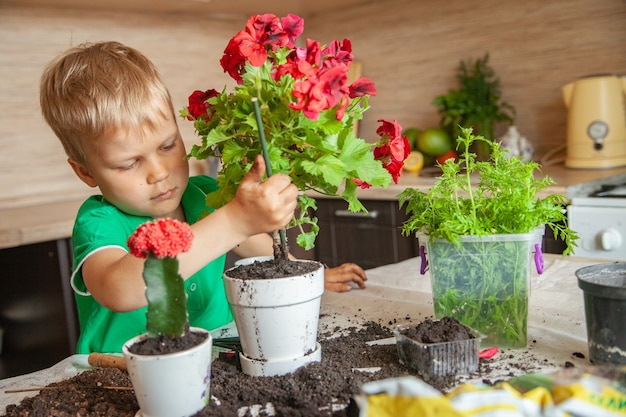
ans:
(109, 107)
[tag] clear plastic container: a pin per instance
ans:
(484, 282)
(431, 360)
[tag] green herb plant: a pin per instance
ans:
(477, 103)
(480, 220)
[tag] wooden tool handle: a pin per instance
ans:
(102, 360)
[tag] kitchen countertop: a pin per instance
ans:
(398, 294)
(23, 223)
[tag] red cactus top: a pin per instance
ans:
(163, 237)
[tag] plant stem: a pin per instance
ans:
(469, 165)
(281, 249)
(268, 167)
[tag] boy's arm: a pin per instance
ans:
(114, 277)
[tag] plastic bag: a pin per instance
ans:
(572, 392)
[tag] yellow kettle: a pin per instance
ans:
(596, 121)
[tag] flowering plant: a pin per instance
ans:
(308, 111)
(159, 242)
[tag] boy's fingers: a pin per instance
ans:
(258, 169)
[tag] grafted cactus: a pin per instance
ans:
(160, 242)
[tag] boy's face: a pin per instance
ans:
(142, 173)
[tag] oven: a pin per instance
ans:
(598, 214)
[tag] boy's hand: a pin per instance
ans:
(264, 206)
(338, 279)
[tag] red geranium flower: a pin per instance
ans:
(163, 237)
(392, 148)
(263, 33)
(308, 110)
(361, 184)
(198, 107)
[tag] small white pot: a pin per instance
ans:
(277, 321)
(171, 385)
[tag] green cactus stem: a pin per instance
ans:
(167, 300)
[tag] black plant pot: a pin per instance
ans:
(604, 288)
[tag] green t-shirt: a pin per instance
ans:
(99, 225)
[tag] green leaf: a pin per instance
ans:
(329, 167)
(167, 300)
(307, 239)
(350, 195)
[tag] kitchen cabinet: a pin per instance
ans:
(37, 308)
(552, 243)
(368, 239)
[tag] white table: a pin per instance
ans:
(398, 294)
(556, 320)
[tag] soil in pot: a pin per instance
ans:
(272, 269)
(438, 348)
(164, 344)
(448, 329)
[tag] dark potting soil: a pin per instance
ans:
(447, 329)
(164, 344)
(273, 269)
(319, 389)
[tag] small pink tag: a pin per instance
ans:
(488, 353)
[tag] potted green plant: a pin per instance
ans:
(169, 365)
(476, 103)
(480, 222)
(295, 106)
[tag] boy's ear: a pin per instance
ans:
(82, 172)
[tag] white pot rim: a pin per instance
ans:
(136, 356)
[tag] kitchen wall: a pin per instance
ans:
(409, 48)
(33, 164)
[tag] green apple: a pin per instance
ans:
(434, 141)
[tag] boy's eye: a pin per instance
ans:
(128, 166)
(168, 146)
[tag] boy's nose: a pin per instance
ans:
(157, 172)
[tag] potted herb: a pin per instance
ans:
(170, 365)
(295, 106)
(476, 103)
(480, 221)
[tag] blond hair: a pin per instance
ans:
(95, 88)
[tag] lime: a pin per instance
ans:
(414, 162)
(411, 134)
(434, 141)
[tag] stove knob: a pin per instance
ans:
(610, 239)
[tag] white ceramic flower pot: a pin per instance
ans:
(171, 385)
(277, 321)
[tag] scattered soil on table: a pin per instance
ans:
(319, 389)
(83, 395)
